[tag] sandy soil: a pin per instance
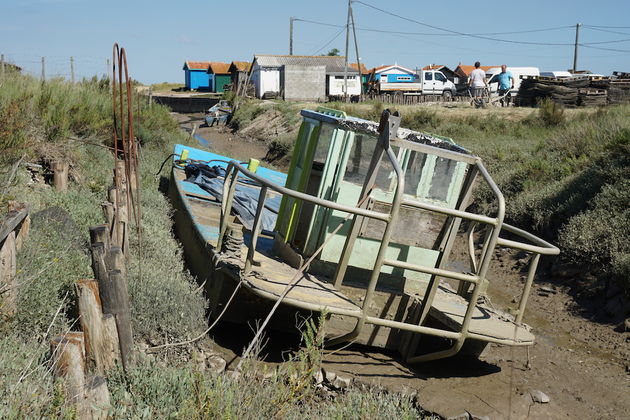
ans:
(579, 360)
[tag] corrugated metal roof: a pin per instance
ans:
(217, 67)
(240, 65)
(196, 65)
(332, 63)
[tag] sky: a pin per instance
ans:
(159, 35)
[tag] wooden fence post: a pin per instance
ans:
(115, 300)
(68, 363)
(8, 284)
(60, 174)
(99, 352)
(96, 404)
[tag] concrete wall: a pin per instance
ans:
(304, 82)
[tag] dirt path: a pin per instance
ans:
(580, 364)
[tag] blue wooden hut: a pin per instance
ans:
(195, 75)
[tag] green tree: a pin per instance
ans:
(334, 52)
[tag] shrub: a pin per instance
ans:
(550, 113)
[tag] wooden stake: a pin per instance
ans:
(99, 356)
(115, 260)
(68, 363)
(115, 299)
(96, 403)
(100, 233)
(60, 175)
(99, 269)
(110, 337)
(8, 285)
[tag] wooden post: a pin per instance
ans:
(60, 175)
(115, 260)
(100, 233)
(115, 300)
(8, 285)
(96, 403)
(110, 337)
(97, 251)
(108, 212)
(99, 353)
(68, 363)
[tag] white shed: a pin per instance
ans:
(302, 77)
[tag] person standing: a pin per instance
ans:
(477, 82)
(506, 83)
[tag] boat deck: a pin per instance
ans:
(270, 276)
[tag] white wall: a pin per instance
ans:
(265, 80)
(336, 85)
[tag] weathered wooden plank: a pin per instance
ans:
(11, 222)
(8, 285)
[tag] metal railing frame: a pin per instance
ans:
(494, 226)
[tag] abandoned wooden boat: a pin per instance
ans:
(219, 113)
(361, 228)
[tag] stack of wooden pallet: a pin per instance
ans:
(592, 97)
(564, 91)
(574, 91)
(619, 91)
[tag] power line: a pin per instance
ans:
(604, 49)
(457, 32)
(605, 30)
(366, 29)
(610, 27)
(331, 40)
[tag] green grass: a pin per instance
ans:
(166, 303)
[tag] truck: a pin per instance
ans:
(426, 82)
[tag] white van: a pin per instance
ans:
(559, 74)
(517, 74)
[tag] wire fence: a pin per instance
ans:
(51, 67)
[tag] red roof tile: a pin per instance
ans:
(217, 67)
(241, 65)
(468, 69)
(197, 65)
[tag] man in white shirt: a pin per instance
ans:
(477, 81)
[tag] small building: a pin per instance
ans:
(293, 77)
(238, 71)
(389, 74)
(450, 74)
(218, 76)
(195, 75)
(336, 82)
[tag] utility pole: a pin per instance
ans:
(575, 51)
(72, 69)
(356, 47)
(291, 19)
(43, 70)
(345, 71)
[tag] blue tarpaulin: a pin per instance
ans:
(245, 202)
